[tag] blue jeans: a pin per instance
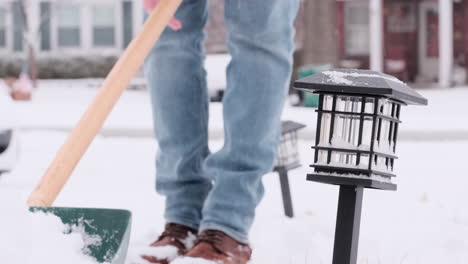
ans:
(220, 190)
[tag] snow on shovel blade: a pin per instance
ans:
(112, 226)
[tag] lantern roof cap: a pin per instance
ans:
(290, 126)
(362, 82)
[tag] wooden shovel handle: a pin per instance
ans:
(91, 122)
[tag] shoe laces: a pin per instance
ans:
(175, 230)
(214, 238)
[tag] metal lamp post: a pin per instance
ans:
(287, 158)
(357, 130)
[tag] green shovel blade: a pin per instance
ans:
(112, 226)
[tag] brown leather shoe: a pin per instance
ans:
(215, 247)
(175, 241)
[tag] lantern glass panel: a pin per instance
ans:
(288, 150)
(380, 164)
(385, 107)
(341, 103)
(343, 159)
(396, 110)
(364, 161)
(366, 133)
(357, 102)
(346, 131)
(369, 107)
(350, 104)
(325, 129)
(328, 102)
(322, 157)
(384, 141)
(390, 164)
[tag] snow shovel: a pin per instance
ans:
(112, 225)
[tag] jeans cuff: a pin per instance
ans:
(183, 221)
(238, 236)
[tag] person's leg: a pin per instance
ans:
(177, 80)
(260, 41)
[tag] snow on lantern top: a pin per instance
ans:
(363, 82)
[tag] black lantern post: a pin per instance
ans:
(287, 159)
(357, 130)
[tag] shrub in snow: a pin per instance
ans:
(63, 67)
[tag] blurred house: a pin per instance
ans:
(71, 27)
(80, 37)
(416, 40)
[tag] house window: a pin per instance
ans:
(2, 27)
(103, 25)
(357, 28)
(68, 18)
(401, 17)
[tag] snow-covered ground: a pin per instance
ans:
(425, 221)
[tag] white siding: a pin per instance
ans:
(86, 27)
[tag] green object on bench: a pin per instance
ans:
(112, 226)
(310, 99)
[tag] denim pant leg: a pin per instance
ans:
(260, 40)
(177, 81)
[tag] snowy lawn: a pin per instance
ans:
(57, 106)
(425, 221)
